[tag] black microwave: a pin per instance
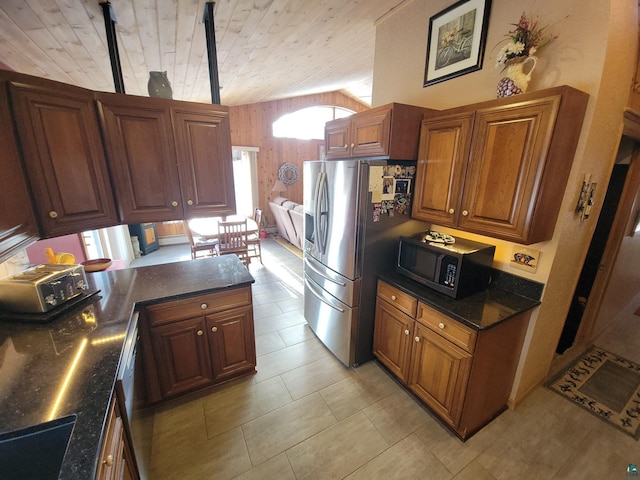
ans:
(456, 269)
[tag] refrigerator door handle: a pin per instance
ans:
(313, 290)
(316, 270)
(316, 212)
(322, 193)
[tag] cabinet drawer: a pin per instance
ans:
(447, 327)
(171, 311)
(402, 301)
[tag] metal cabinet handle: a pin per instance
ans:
(452, 211)
(417, 339)
(465, 213)
(174, 204)
(315, 269)
(313, 290)
(53, 214)
(393, 297)
(353, 145)
(189, 202)
(441, 325)
(407, 332)
(108, 461)
(346, 146)
(204, 306)
(214, 329)
(200, 333)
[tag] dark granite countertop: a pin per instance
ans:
(36, 359)
(506, 297)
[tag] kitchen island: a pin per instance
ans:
(69, 365)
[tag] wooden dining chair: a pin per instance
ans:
(253, 238)
(232, 238)
(200, 243)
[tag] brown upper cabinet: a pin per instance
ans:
(18, 226)
(169, 159)
(499, 168)
(60, 141)
(389, 131)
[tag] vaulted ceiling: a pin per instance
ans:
(266, 49)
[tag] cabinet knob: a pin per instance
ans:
(452, 211)
(465, 213)
(200, 333)
(407, 332)
(441, 326)
(353, 145)
(189, 202)
(204, 306)
(174, 204)
(108, 461)
(214, 329)
(417, 339)
(53, 214)
(346, 146)
(393, 297)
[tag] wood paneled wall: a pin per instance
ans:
(251, 127)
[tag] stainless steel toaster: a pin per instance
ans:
(42, 288)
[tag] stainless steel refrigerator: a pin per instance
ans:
(348, 240)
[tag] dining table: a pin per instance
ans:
(207, 227)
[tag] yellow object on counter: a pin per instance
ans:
(66, 258)
(51, 257)
(59, 257)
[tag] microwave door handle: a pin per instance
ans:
(436, 277)
(313, 290)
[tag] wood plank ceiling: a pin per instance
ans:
(267, 49)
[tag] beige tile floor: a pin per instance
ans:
(305, 416)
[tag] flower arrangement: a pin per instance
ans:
(525, 40)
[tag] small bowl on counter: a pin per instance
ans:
(97, 265)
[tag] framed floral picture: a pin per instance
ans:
(456, 41)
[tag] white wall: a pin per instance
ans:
(595, 52)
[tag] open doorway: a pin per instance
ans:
(601, 266)
(245, 179)
(593, 259)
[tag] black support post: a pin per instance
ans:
(210, 30)
(112, 42)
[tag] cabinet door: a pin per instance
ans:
(182, 356)
(116, 460)
(392, 338)
(337, 138)
(231, 341)
(18, 227)
(439, 374)
(64, 157)
(370, 133)
(442, 162)
(141, 150)
(508, 154)
(203, 147)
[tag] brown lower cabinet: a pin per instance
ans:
(116, 457)
(197, 342)
(462, 375)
